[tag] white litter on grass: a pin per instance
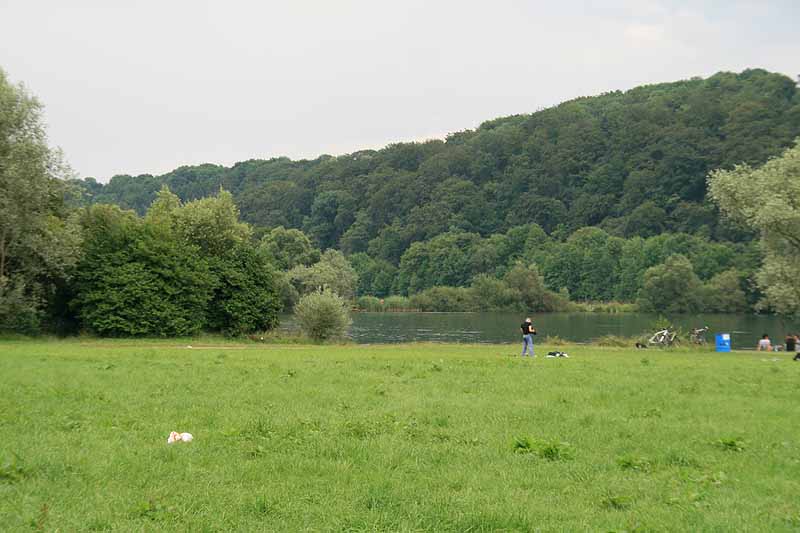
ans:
(179, 437)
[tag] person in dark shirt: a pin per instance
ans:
(796, 346)
(528, 331)
(790, 343)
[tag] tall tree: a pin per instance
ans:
(288, 248)
(37, 242)
(767, 199)
(671, 287)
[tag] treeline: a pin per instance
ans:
(181, 269)
(589, 265)
(526, 269)
(598, 199)
(632, 163)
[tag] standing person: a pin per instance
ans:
(764, 345)
(797, 348)
(528, 331)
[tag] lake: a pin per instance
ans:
(503, 327)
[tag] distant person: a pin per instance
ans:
(790, 342)
(764, 345)
(528, 331)
(796, 348)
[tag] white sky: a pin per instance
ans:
(146, 86)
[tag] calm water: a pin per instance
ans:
(369, 328)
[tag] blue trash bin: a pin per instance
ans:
(723, 342)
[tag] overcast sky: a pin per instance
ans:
(145, 86)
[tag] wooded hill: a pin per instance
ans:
(632, 163)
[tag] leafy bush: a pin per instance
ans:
(287, 294)
(661, 322)
(175, 272)
(322, 314)
(528, 285)
(288, 248)
(671, 287)
(136, 280)
(553, 302)
(492, 294)
(723, 293)
(245, 298)
(333, 271)
(397, 303)
(369, 303)
(603, 307)
(18, 311)
(392, 303)
(375, 276)
(444, 299)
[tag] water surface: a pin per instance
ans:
(503, 327)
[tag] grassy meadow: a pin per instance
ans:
(418, 437)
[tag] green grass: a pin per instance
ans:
(394, 438)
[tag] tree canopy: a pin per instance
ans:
(600, 198)
(767, 199)
(181, 269)
(38, 241)
(633, 163)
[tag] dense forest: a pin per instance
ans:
(633, 165)
(597, 199)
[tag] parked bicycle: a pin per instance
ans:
(698, 335)
(663, 338)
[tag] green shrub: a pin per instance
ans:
(391, 303)
(287, 294)
(443, 299)
(553, 302)
(333, 270)
(137, 280)
(322, 314)
(375, 276)
(671, 287)
(603, 307)
(245, 297)
(397, 303)
(492, 294)
(369, 303)
(723, 293)
(18, 311)
(531, 293)
(660, 323)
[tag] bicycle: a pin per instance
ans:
(663, 338)
(698, 335)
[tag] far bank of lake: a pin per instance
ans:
(502, 327)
